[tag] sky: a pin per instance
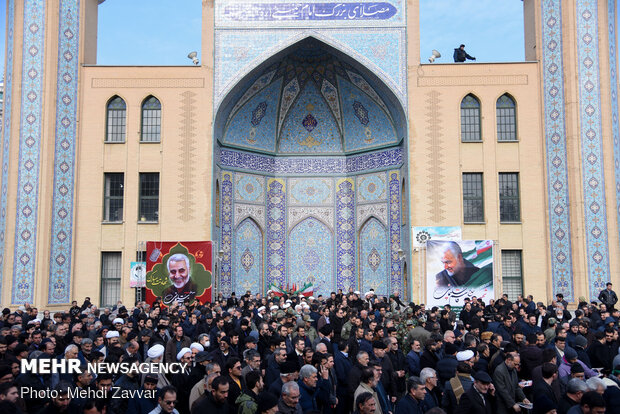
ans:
(163, 32)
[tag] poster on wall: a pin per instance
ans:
(179, 272)
(423, 234)
(137, 275)
(456, 270)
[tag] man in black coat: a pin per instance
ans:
(480, 398)
(460, 55)
(608, 297)
(544, 387)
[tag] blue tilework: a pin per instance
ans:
(310, 191)
(29, 151)
(311, 256)
(386, 50)
(310, 126)
(345, 234)
(6, 130)
(592, 146)
(366, 125)
(313, 13)
(249, 130)
(371, 187)
(248, 263)
(613, 76)
(395, 211)
(276, 232)
(555, 137)
(304, 165)
(64, 162)
(249, 188)
(374, 257)
(226, 220)
(239, 52)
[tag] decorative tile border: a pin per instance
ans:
(29, 152)
(225, 285)
(396, 282)
(286, 13)
(64, 161)
(345, 235)
(555, 138)
(613, 78)
(6, 131)
(592, 146)
(307, 165)
(276, 233)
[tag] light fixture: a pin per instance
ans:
(434, 56)
(401, 254)
(220, 254)
(192, 56)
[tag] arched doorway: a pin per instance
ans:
(309, 146)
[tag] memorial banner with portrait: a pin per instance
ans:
(456, 270)
(179, 272)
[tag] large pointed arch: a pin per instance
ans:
(265, 73)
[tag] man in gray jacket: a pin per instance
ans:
(508, 391)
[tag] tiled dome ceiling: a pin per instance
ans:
(309, 102)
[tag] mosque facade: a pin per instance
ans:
(306, 144)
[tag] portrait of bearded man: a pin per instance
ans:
(179, 273)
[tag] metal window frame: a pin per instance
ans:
(107, 198)
(116, 114)
(106, 281)
(519, 278)
(142, 197)
(503, 198)
(471, 126)
(478, 197)
(146, 131)
(506, 119)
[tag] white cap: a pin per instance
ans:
(112, 334)
(22, 308)
(464, 355)
(156, 351)
(357, 292)
(183, 352)
(369, 293)
(197, 346)
(289, 301)
(262, 308)
(286, 306)
(311, 298)
(118, 320)
(274, 308)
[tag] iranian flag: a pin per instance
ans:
(482, 254)
(307, 290)
(277, 291)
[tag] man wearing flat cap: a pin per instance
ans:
(480, 399)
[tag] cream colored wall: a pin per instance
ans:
(437, 157)
(183, 159)
(184, 206)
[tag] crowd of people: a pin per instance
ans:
(348, 352)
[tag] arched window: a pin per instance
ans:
(151, 120)
(506, 115)
(470, 119)
(116, 112)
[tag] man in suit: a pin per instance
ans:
(480, 398)
(509, 392)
